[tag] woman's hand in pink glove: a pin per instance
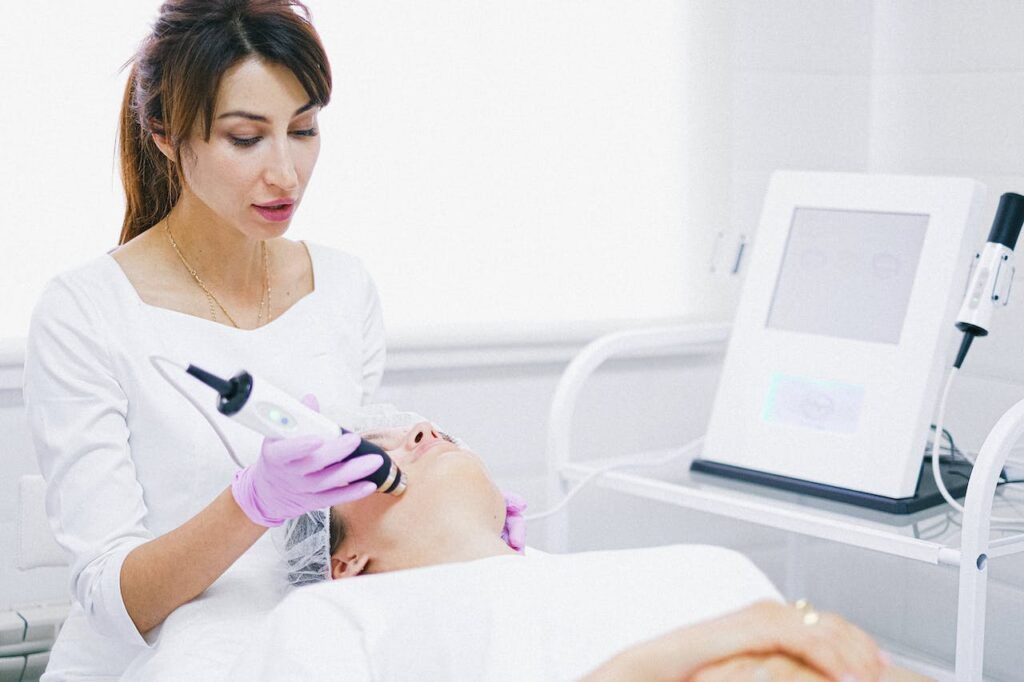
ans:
(514, 532)
(295, 475)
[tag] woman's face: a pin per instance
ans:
(262, 149)
(449, 491)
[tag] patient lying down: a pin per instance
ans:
(440, 596)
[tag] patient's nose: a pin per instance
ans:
(419, 433)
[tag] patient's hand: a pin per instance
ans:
(758, 668)
(825, 645)
(777, 667)
(514, 532)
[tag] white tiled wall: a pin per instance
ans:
(947, 36)
(801, 94)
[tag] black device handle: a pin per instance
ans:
(1007, 223)
(367, 448)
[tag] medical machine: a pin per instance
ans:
(841, 336)
(268, 410)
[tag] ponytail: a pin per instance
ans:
(151, 185)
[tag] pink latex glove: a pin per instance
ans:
(514, 532)
(295, 475)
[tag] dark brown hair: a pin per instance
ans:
(338, 530)
(174, 79)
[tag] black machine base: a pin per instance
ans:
(954, 474)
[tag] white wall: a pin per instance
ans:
(502, 170)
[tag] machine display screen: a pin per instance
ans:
(848, 274)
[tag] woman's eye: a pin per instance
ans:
(250, 141)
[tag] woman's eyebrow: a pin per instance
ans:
(259, 117)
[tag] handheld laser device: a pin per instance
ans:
(270, 411)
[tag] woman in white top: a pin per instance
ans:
(218, 138)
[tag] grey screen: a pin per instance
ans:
(848, 273)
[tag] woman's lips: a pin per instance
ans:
(275, 214)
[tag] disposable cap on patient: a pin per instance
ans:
(305, 546)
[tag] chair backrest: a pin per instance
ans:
(36, 545)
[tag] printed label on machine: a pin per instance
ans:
(813, 403)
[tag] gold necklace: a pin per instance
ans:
(211, 299)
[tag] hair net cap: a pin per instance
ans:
(305, 541)
(305, 545)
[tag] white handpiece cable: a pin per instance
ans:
(988, 288)
(155, 360)
(629, 464)
(936, 473)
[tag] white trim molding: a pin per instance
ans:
(12, 363)
(417, 349)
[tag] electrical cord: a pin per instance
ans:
(954, 451)
(157, 361)
(936, 474)
(629, 464)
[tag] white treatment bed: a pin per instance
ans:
(537, 617)
(540, 616)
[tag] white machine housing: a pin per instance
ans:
(844, 328)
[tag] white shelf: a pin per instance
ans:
(931, 535)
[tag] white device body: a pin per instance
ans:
(275, 414)
(836, 356)
(988, 287)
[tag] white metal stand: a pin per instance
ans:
(969, 550)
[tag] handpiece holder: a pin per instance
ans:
(270, 411)
(992, 270)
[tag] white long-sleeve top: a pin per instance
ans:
(127, 458)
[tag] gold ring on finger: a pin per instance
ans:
(810, 616)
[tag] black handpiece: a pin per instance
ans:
(272, 412)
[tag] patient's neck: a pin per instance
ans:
(449, 538)
(454, 549)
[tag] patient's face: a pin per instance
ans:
(449, 494)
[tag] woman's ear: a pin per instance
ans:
(161, 142)
(349, 566)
